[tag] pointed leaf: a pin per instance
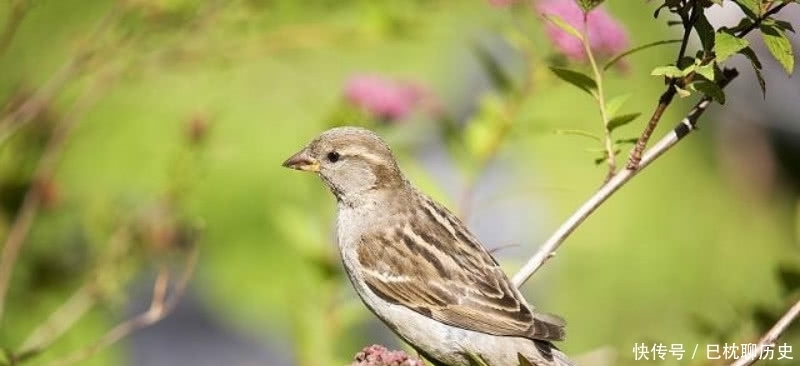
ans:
(705, 31)
(748, 52)
(561, 23)
(750, 7)
(711, 89)
(683, 93)
(622, 120)
(668, 71)
(727, 45)
(627, 141)
(779, 46)
(613, 105)
(631, 51)
(745, 23)
(789, 278)
(580, 80)
(523, 361)
(493, 69)
(588, 5)
(581, 133)
(707, 71)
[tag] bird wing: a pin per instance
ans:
(433, 265)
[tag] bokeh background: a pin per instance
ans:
(164, 123)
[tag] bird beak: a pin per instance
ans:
(302, 161)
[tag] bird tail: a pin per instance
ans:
(560, 359)
(552, 354)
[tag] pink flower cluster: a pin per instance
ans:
(606, 35)
(377, 355)
(383, 98)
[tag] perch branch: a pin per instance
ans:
(548, 249)
(771, 337)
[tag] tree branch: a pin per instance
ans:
(665, 100)
(81, 301)
(771, 337)
(548, 249)
(33, 197)
(17, 11)
(160, 306)
(35, 103)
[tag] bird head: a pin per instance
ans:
(350, 160)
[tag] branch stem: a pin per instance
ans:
(771, 337)
(548, 249)
(608, 144)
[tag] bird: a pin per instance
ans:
(418, 268)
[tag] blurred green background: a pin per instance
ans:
(185, 110)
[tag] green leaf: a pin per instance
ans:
(726, 45)
(627, 141)
(750, 7)
(523, 361)
(493, 69)
(588, 5)
(710, 89)
(745, 23)
(631, 51)
(581, 133)
(707, 71)
(668, 71)
(478, 359)
(580, 80)
(748, 52)
(613, 105)
(561, 23)
(779, 46)
(683, 93)
(789, 278)
(622, 120)
(705, 31)
(780, 24)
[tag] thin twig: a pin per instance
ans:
(771, 337)
(16, 12)
(608, 143)
(548, 249)
(81, 301)
(33, 197)
(58, 323)
(35, 103)
(160, 306)
(49, 158)
(669, 94)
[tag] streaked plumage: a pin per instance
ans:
(417, 266)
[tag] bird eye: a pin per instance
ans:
(333, 156)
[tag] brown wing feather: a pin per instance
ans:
(440, 270)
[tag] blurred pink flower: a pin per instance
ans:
(384, 98)
(606, 35)
(377, 355)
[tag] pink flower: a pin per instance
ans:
(606, 35)
(384, 98)
(377, 355)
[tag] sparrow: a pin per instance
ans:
(418, 268)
